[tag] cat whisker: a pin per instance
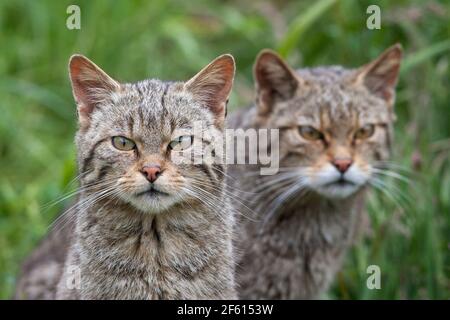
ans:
(66, 217)
(392, 175)
(223, 172)
(392, 166)
(79, 191)
(221, 190)
(78, 177)
(73, 193)
(205, 200)
(274, 181)
(86, 203)
(227, 190)
(396, 177)
(228, 186)
(217, 199)
(281, 199)
(391, 191)
(270, 194)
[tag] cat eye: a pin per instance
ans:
(123, 144)
(365, 132)
(181, 143)
(310, 133)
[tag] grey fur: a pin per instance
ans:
(128, 246)
(292, 247)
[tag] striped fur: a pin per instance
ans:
(300, 231)
(131, 243)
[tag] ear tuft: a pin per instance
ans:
(381, 75)
(212, 85)
(275, 80)
(90, 85)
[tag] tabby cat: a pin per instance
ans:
(335, 127)
(146, 225)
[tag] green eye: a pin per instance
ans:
(365, 132)
(181, 143)
(310, 133)
(123, 144)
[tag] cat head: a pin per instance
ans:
(135, 141)
(335, 124)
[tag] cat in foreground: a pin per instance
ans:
(145, 225)
(335, 127)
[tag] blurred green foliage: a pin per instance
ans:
(410, 225)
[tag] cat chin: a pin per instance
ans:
(153, 204)
(151, 209)
(337, 190)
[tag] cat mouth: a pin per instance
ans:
(152, 192)
(340, 188)
(341, 182)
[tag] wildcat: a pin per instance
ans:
(146, 225)
(335, 134)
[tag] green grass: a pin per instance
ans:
(410, 235)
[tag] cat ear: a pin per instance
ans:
(381, 75)
(90, 86)
(212, 85)
(275, 80)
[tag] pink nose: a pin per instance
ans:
(342, 164)
(151, 172)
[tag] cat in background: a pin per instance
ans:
(335, 127)
(145, 225)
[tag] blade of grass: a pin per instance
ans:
(425, 54)
(301, 24)
(44, 96)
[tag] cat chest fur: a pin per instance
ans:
(131, 256)
(303, 248)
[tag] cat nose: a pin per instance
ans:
(151, 172)
(342, 164)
